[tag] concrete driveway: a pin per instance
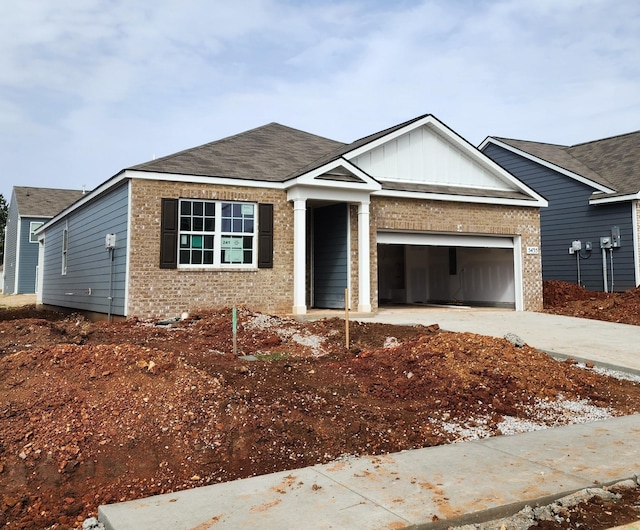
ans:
(16, 300)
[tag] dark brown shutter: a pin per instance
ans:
(265, 236)
(169, 234)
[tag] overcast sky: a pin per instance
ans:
(89, 87)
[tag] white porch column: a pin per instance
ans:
(299, 256)
(364, 265)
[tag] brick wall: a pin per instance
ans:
(155, 292)
(463, 218)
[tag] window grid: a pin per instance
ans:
(216, 234)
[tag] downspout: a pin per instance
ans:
(604, 270)
(110, 283)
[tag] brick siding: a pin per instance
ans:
(155, 292)
(464, 218)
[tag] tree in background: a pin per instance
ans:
(4, 210)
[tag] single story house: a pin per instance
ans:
(281, 220)
(590, 228)
(29, 209)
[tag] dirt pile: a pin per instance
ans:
(563, 298)
(92, 413)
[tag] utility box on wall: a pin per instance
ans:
(605, 242)
(110, 241)
(615, 237)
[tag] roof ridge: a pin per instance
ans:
(392, 128)
(503, 138)
(227, 139)
(206, 144)
(615, 136)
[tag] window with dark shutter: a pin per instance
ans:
(169, 234)
(265, 236)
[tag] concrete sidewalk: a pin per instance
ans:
(433, 487)
(426, 488)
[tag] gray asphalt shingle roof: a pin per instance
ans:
(43, 202)
(270, 153)
(612, 162)
(276, 153)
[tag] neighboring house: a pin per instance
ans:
(593, 191)
(280, 220)
(28, 210)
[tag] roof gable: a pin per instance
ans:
(43, 202)
(338, 173)
(610, 165)
(269, 153)
(424, 156)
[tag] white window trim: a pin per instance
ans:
(32, 230)
(218, 235)
(65, 249)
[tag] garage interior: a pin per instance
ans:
(444, 274)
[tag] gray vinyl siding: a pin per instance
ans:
(85, 286)
(569, 217)
(11, 249)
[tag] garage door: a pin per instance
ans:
(446, 269)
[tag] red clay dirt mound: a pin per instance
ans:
(92, 413)
(563, 298)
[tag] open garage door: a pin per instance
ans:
(447, 269)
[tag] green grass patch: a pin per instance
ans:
(273, 356)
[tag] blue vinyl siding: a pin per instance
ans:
(28, 261)
(569, 217)
(330, 251)
(85, 286)
(11, 248)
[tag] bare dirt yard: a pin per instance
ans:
(94, 413)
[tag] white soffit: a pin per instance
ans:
(443, 240)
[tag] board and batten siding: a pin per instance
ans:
(570, 217)
(85, 285)
(11, 249)
(424, 156)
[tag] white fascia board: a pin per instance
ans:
(538, 203)
(546, 164)
(199, 179)
(311, 178)
(349, 195)
(172, 177)
(112, 182)
(619, 198)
